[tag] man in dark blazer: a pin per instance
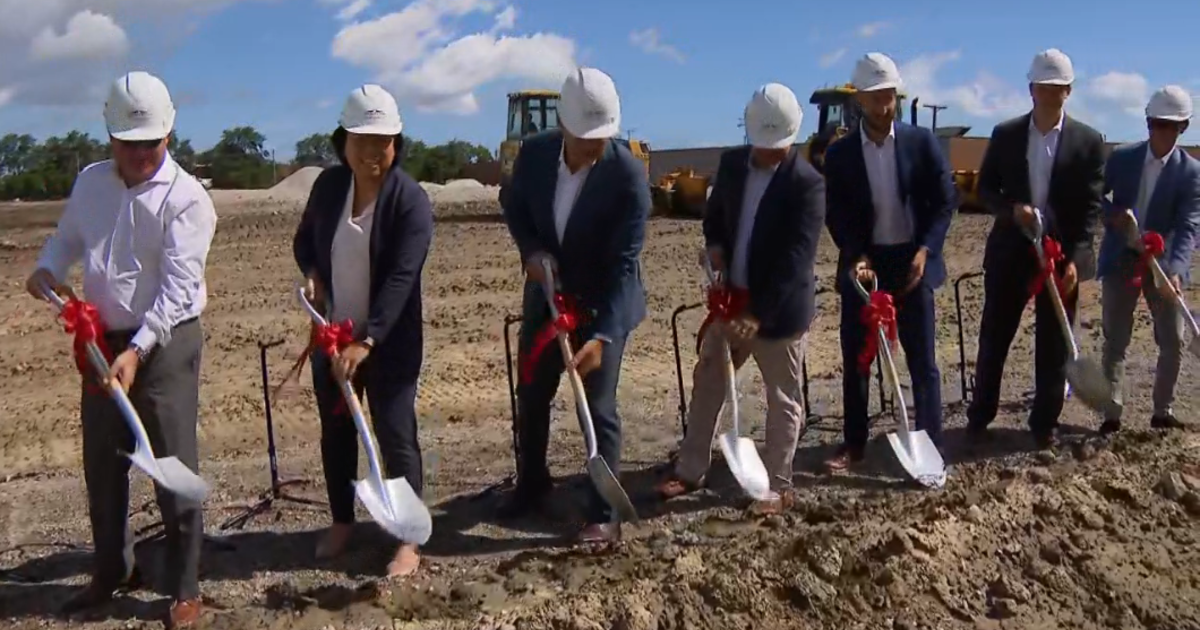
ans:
(1156, 184)
(761, 229)
(1048, 161)
(580, 199)
(890, 199)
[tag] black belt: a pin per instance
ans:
(125, 334)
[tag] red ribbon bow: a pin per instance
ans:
(1153, 246)
(82, 320)
(724, 304)
(333, 337)
(1054, 255)
(878, 312)
(568, 320)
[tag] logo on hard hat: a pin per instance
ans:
(139, 114)
(597, 115)
(374, 114)
(880, 73)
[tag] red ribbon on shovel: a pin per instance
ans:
(1153, 246)
(331, 339)
(724, 304)
(82, 320)
(1054, 255)
(568, 321)
(878, 312)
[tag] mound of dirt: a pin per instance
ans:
(460, 191)
(297, 185)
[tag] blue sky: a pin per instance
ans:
(684, 69)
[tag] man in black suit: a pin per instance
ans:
(580, 200)
(761, 229)
(890, 201)
(1050, 162)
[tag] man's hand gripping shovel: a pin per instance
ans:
(602, 476)
(740, 453)
(391, 502)
(1083, 375)
(915, 450)
(1140, 240)
(168, 472)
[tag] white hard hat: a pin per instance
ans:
(139, 108)
(370, 110)
(1051, 67)
(773, 117)
(875, 71)
(589, 107)
(1170, 103)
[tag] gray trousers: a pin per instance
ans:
(166, 395)
(1119, 301)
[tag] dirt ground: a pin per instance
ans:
(1097, 534)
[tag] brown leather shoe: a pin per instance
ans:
(782, 502)
(184, 613)
(674, 487)
(600, 533)
(843, 459)
(97, 594)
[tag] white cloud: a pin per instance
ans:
(985, 96)
(830, 58)
(350, 9)
(871, 29)
(649, 40)
(87, 36)
(1127, 90)
(418, 54)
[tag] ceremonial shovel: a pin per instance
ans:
(602, 476)
(1160, 278)
(740, 453)
(915, 449)
(1084, 375)
(167, 472)
(391, 502)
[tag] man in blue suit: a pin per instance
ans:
(890, 199)
(761, 230)
(580, 199)
(1156, 184)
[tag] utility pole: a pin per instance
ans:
(742, 125)
(936, 109)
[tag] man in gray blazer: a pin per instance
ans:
(1156, 184)
(1047, 161)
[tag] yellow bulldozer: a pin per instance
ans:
(534, 111)
(838, 112)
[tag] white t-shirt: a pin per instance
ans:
(351, 259)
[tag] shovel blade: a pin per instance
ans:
(407, 518)
(920, 458)
(746, 465)
(1089, 384)
(171, 474)
(610, 489)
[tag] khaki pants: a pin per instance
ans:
(1119, 301)
(779, 361)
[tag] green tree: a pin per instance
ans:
(239, 160)
(316, 150)
(17, 153)
(183, 153)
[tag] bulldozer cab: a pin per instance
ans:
(530, 112)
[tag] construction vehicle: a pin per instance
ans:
(534, 111)
(838, 112)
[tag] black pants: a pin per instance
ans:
(392, 403)
(917, 330)
(166, 395)
(1006, 292)
(533, 415)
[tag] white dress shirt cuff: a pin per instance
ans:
(145, 339)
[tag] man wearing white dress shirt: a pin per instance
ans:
(890, 200)
(1048, 161)
(142, 228)
(1156, 184)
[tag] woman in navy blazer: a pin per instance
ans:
(362, 244)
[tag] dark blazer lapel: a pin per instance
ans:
(384, 207)
(1164, 188)
(1021, 159)
(903, 163)
(585, 202)
(338, 189)
(544, 181)
(858, 166)
(1065, 137)
(736, 194)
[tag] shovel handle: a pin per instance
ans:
(726, 351)
(1060, 311)
(1160, 277)
(352, 404)
(581, 403)
(862, 291)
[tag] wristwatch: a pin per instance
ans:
(141, 353)
(368, 342)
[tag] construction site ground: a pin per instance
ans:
(1096, 534)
